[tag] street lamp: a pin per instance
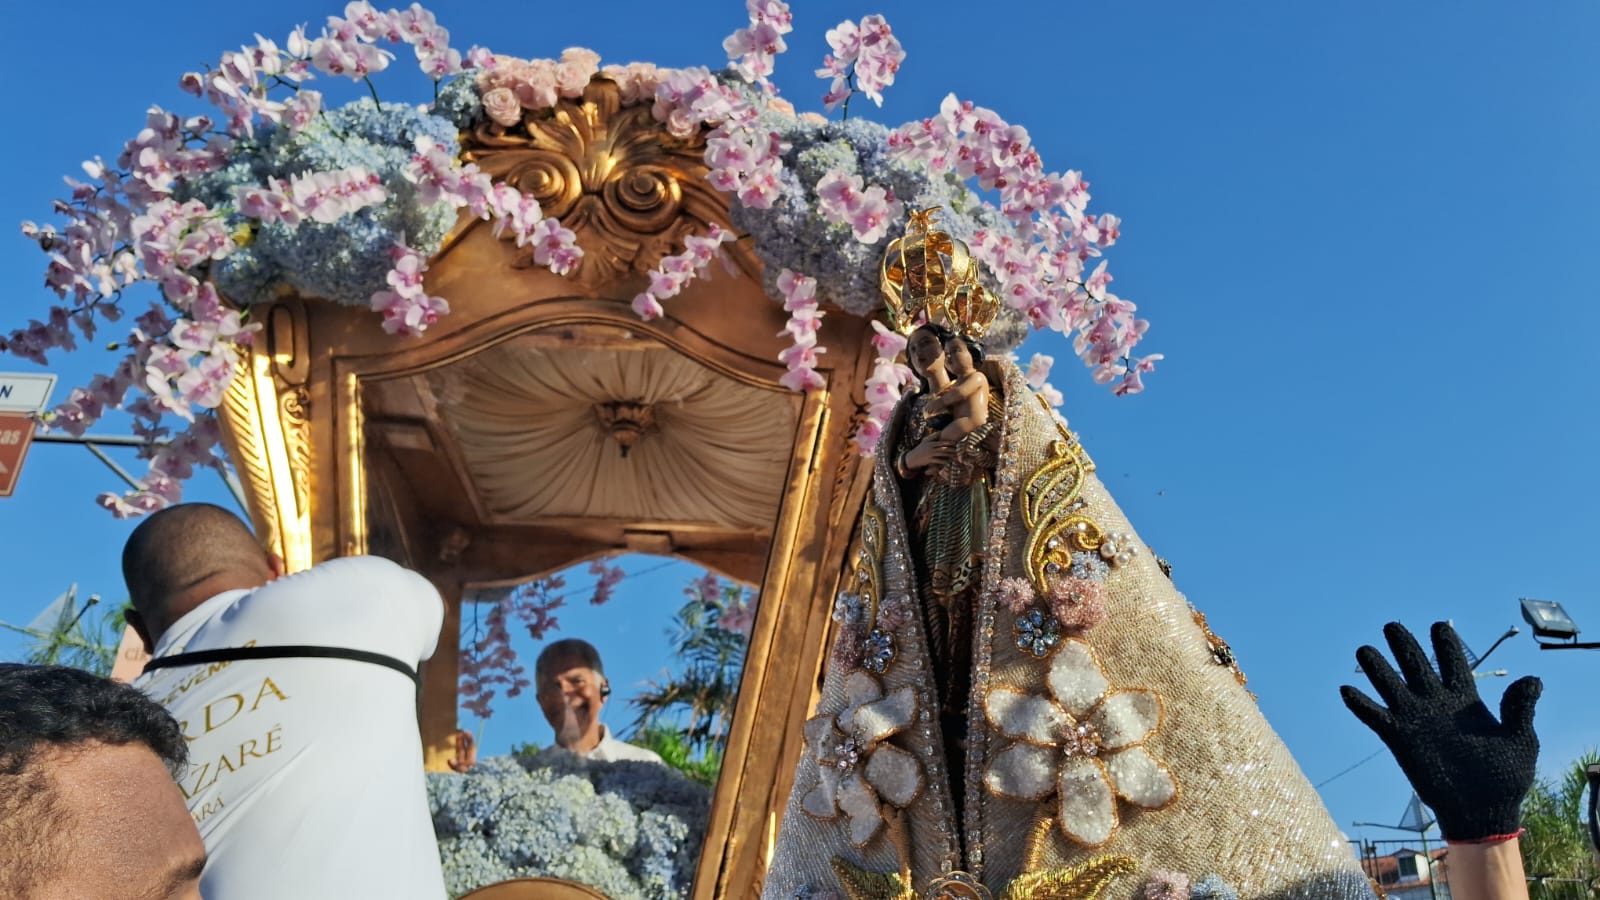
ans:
(1550, 620)
(1511, 632)
(1474, 660)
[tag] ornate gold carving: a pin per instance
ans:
(270, 437)
(295, 408)
(249, 452)
(611, 173)
(1051, 510)
(626, 421)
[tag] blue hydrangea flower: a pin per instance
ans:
(459, 103)
(629, 829)
(345, 261)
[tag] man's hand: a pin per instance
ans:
(466, 752)
(1472, 770)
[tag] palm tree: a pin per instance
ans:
(69, 636)
(1556, 844)
(698, 699)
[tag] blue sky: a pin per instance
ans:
(1363, 232)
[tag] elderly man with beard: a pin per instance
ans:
(572, 690)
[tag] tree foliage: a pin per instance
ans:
(1555, 847)
(697, 700)
(79, 636)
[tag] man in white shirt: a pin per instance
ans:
(305, 774)
(572, 690)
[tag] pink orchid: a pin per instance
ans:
(646, 307)
(737, 619)
(888, 342)
(867, 51)
(753, 49)
(556, 247)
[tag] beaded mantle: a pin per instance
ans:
(1141, 701)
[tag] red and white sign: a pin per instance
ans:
(16, 435)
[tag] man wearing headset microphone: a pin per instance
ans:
(572, 689)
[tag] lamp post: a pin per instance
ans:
(1476, 660)
(1550, 620)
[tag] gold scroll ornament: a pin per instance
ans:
(1052, 511)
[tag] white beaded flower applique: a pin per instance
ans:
(855, 767)
(1084, 743)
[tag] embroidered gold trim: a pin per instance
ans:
(859, 884)
(1050, 512)
(1220, 651)
(1086, 881)
(1038, 842)
(1067, 435)
(867, 574)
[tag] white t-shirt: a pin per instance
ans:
(305, 775)
(611, 750)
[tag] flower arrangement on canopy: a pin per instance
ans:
(274, 192)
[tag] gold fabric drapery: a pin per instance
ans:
(535, 446)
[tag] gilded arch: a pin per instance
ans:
(338, 460)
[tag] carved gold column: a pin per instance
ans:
(440, 675)
(266, 422)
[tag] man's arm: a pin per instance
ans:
(364, 602)
(1487, 871)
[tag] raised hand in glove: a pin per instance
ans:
(1472, 770)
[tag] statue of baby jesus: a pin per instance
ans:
(966, 400)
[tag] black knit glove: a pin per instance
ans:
(1472, 770)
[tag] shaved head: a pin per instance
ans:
(183, 555)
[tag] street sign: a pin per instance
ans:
(131, 656)
(16, 435)
(25, 391)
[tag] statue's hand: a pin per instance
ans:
(931, 452)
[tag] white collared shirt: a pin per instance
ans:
(612, 750)
(305, 775)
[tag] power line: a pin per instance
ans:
(1343, 772)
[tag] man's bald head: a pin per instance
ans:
(183, 555)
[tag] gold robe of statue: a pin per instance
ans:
(1089, 758)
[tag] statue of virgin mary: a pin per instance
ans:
(1018, 703)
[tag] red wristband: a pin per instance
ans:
(1493, 838)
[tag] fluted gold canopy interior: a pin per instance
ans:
(595, 429)
(636, 431)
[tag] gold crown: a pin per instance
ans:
(929, 274)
